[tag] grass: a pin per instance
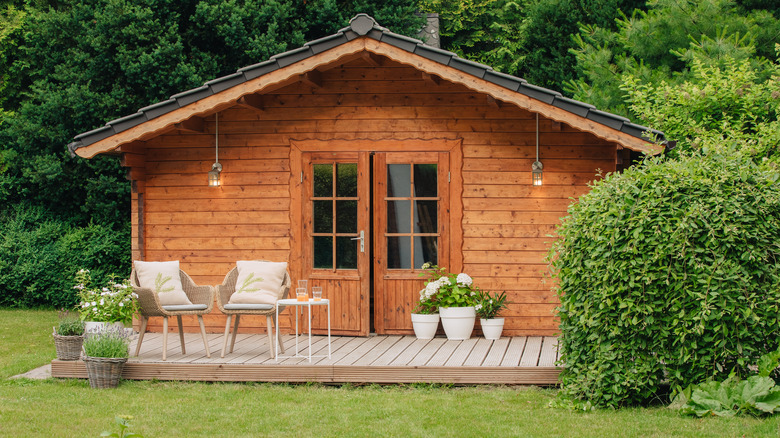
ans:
(68, 407)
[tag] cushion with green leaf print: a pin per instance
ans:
(164, 279)
(258, 282)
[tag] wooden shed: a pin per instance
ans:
(357, 158)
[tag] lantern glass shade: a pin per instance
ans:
(214, 175)
(536, 172)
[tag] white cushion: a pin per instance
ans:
(248, 306)
(163, 278)
(258, 282)
(185, 307)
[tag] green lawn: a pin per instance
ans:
(61, 407)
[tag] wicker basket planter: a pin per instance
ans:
(68, 347)
(104, 372)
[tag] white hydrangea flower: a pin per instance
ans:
(478, 306)
(426, 265)
(464, 279)
(121, 304)
(94, 304)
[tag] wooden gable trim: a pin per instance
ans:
(221, 100)
(500, 93)
(366, 48)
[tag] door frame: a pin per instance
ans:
(297, 193)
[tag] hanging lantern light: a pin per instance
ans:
(536, 172)
(537, 167)
(216, 168)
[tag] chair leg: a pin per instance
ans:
(144, 321)
(235, 332)
(227, 332)
(165, 337)
(268, 319)
(181, 334)
(203, 335)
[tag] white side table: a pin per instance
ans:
(292, 302)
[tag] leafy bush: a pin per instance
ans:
(39, 254)
(668, 273)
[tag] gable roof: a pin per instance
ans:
(362, 35)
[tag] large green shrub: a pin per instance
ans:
(40, 254)
(668, 273)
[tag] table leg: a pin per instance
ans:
(309, 332)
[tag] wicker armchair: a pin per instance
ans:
(227, 288)
(202, 298)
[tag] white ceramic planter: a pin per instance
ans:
(425, 325)
(458, 322)
(492, 328)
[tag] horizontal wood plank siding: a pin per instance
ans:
(506, 221)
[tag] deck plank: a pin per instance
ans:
(496, 353)
(514, 352)
(549, 352)
(478, 353)
(443, 354)
(533, 348)
(373, 354)
(410, 352)
(461, 353)
(393, 352)
(430, 349)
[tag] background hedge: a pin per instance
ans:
(39, 256)
(668, 273)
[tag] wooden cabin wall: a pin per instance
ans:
(506, 220)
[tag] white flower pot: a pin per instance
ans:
(458, 322)
(425, 325)
(492, 328)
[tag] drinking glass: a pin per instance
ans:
(316, 292)
(300, 293)
(303, 284)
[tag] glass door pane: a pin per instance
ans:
(412, 215)
(335, 215)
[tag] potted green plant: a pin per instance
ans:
(488, 307)
(105, 355)
(114, 304)
(455, 297)
(68, 336)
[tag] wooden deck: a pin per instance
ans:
(375, 359)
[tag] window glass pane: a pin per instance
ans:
(346, 179)
(346, 216)
(346, 253)
(323, 252)
(425, 180)
(399, 217)
(323, 216)
(323, 180)
(399, 253)
(399, 180)
(426, 249)
(425, 218)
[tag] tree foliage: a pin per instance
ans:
(70, 66)
(659, 44)
(527, 38)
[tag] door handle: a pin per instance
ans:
(362, 241)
